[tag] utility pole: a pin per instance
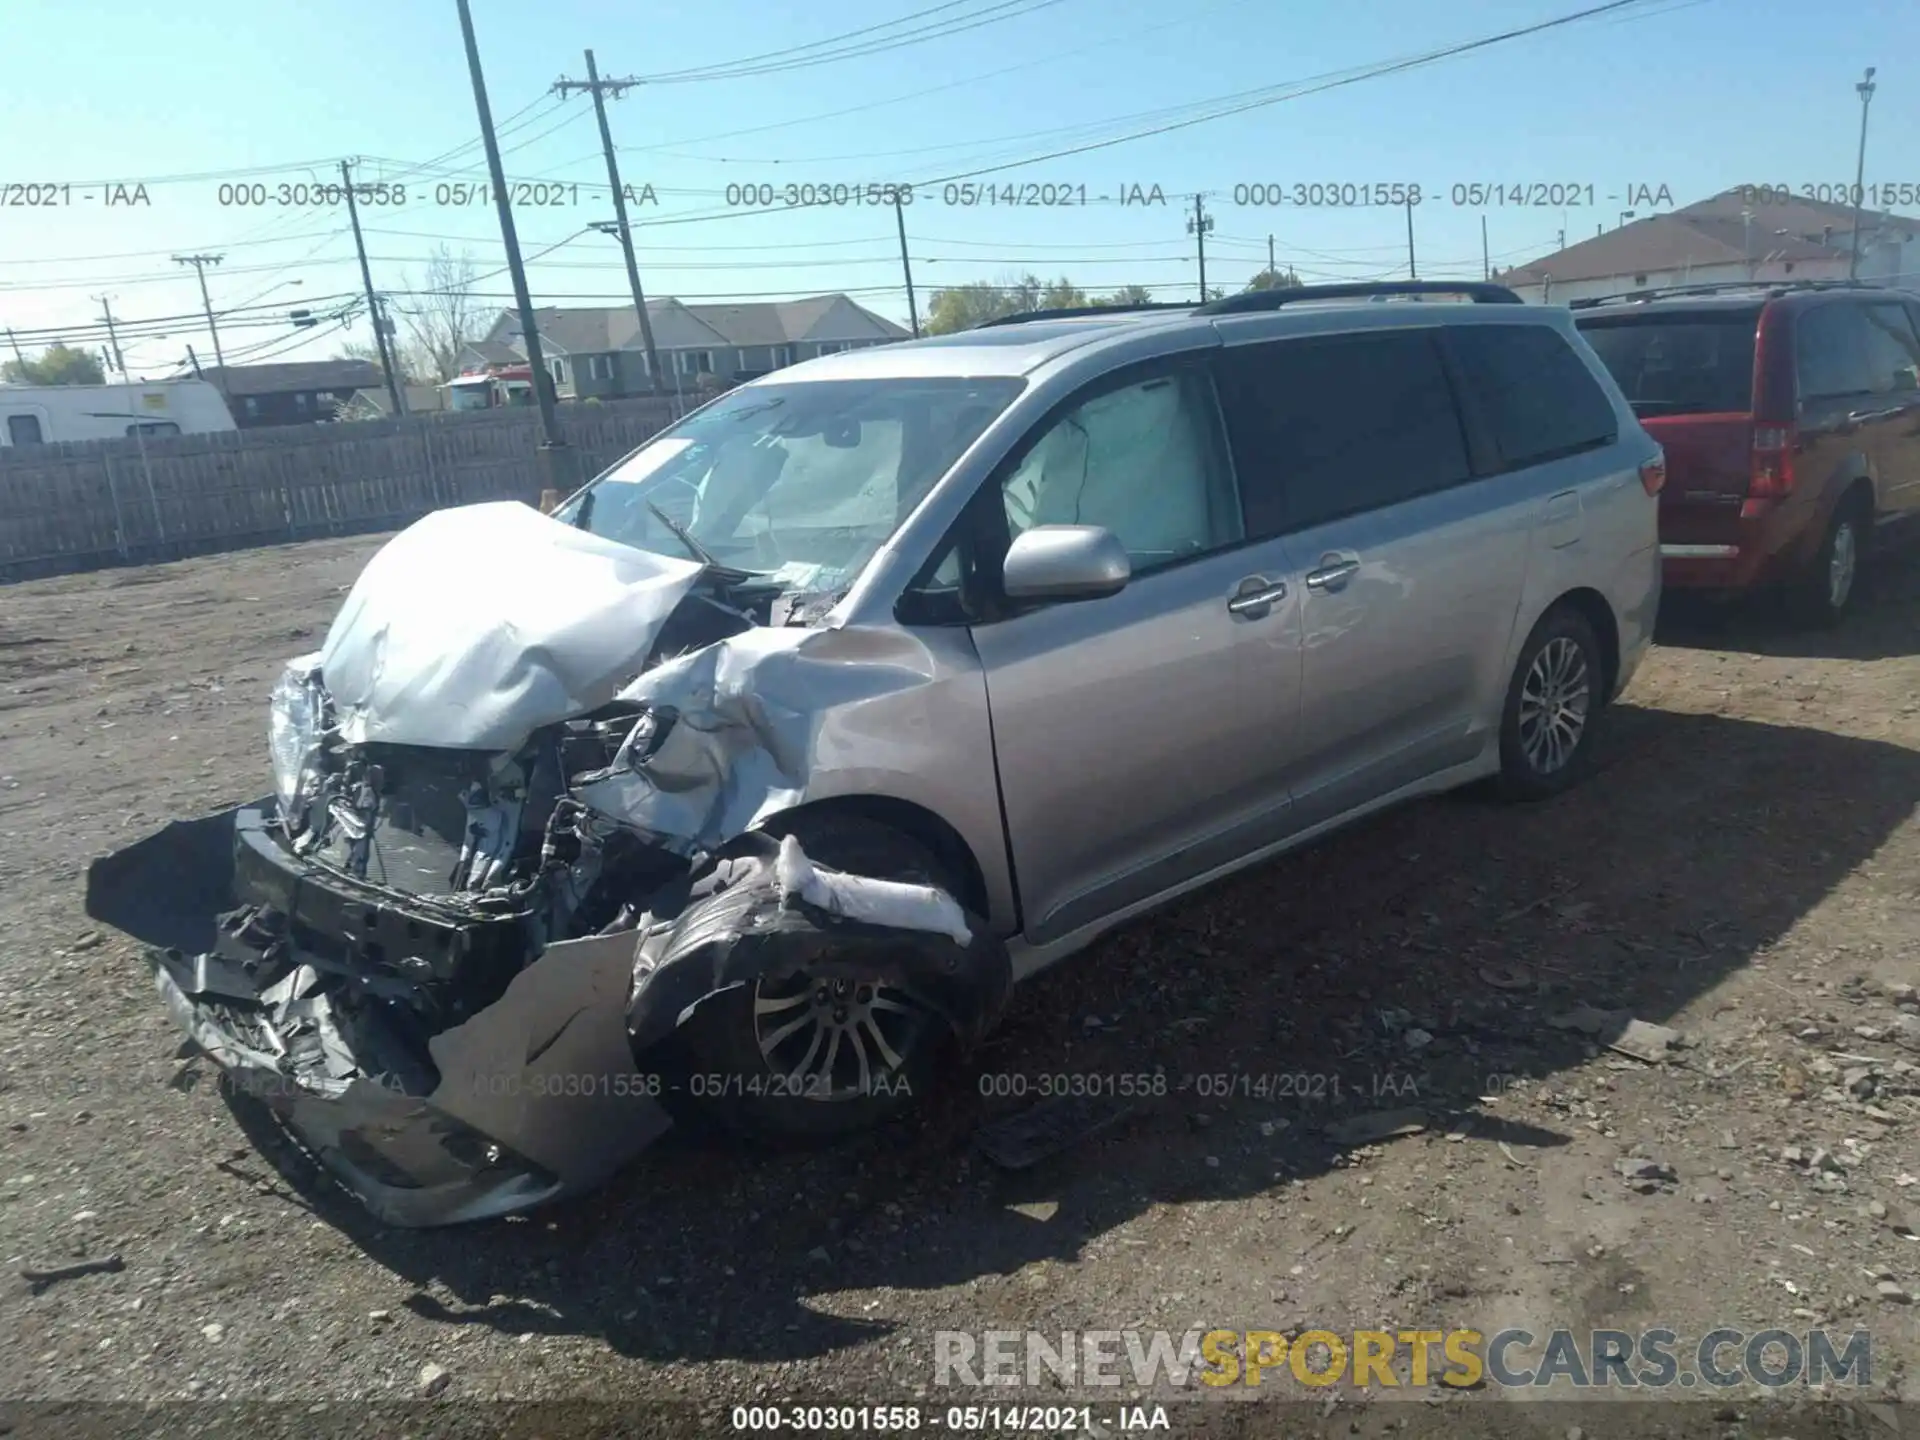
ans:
(200, 263)
(1865, 91)
(596, 87)
(1198, 227)
(1413, 272)
(557, 460)
(906, 266)
(366, 279)
(119, 361)
(392, 332)
(1486, 260)
(13, 340)
(194, 360)
(1269, 254)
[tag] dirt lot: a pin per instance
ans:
(1743, 868)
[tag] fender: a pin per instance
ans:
(733, 921)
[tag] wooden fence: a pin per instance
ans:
(90, 504)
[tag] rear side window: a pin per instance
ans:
(1333, 426)
(1833, 347)
(1538, 397)
(1679, 365)
(1893, 356)
(23, 429)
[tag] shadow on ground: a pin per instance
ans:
(1882, 626)
(1285, 994)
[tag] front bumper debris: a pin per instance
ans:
(534, 1097)
(537, 1097)
(352, 1011)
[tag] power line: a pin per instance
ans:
(1051, 58)
(830, 40)
(1370, 73)
(1263, 98)
(506, 127)
(778, 62)
(149, 254)
(159, 326)
(1616, 7)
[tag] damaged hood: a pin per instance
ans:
(476, 626)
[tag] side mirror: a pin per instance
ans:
(1065, 562)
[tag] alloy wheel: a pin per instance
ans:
(1554, 702)
(835, 1039)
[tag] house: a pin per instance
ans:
(376, 404)
(1755, 233)
(292, 392)
(601, 352)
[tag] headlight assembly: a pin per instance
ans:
(293, 738)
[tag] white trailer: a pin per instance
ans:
(42, 414)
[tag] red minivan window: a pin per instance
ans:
(1678, 364)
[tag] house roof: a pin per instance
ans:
(418, 398)
(591, 330)
(1714, 231)
(287, 376)
(783, 322)
(494, 352)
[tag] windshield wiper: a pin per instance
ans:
(694, 548)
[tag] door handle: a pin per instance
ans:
(1257, 601)
(1332, 577)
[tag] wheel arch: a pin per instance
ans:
(930, 829)
(1597, 611)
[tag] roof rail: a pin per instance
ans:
(1076, 312)
(1479, 291)
(1721, 287)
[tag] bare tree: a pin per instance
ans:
(410, 367)
(443, 318)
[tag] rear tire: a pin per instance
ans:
(1553, 703)
(795, 1061)
(1827, 592)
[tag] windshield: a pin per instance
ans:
(799, 482)
(1699, 364)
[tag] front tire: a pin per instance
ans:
(1553, 702)
(805, 1059)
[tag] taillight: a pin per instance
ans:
(1770, 479)
(1653, 474)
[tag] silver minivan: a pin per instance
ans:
(762, 770)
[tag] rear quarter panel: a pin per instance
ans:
(1617, 550)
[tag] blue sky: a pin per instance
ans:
(1690, 95)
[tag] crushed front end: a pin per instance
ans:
(515, 845)
(425, 968)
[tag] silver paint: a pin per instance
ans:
(475, 626)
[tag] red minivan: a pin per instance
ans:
(1790, 415)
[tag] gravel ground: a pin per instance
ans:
(1741, 869)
